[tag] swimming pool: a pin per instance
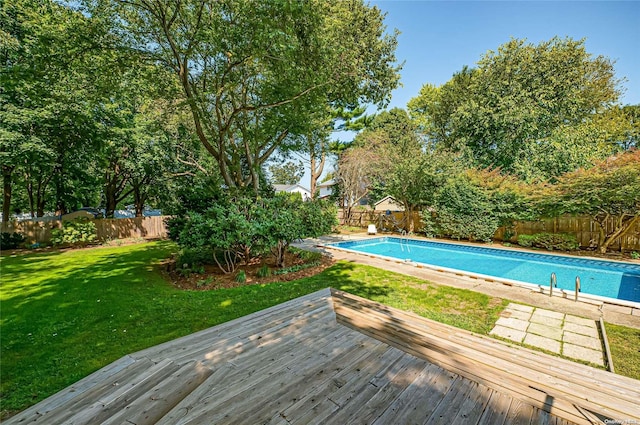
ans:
(608, 279)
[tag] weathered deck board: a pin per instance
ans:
(592, 378)
(496, 410)
(159, 400)
(225, 336)
(332, 358)
(448, 357)
(67, 396)
(527, 380)
(420, 398)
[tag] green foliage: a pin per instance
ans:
(194, 257)
(205, 282)
(264, 271)
(635, 255)
(464, 211)
(296, 268)
(78, 232)
(286, 220)
(306, 256)
(254, 85)
(550, 241)
(508, 234)
(534, 111)
(611, 188)
(241, 277)
(11, 240)
(287, 173)
(472, 205)
(526, 240)
(243, 227)
(229, 229)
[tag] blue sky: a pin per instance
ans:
(439, 37)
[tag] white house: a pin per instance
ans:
(293, 188)
(325, 189)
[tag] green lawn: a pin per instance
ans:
(67, 314)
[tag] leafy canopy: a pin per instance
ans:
(254, 74)
(534, 111)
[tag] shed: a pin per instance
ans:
(388, 203)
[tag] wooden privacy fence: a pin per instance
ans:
(383, 221)
(106, 228)
(585, 229)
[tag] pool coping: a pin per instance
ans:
(558, 292)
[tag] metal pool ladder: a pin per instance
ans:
(553, 283)
(404, 237)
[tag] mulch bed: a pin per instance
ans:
(214, 278)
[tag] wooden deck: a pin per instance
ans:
(334, 358)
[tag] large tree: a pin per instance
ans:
(545, 102)
(253, 73)
(356, 172)
(52, 81)
(403, 162)
(288, 173)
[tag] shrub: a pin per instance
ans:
(243, 227)
(174, 227)
(526, 240)
(11, 240)
(288, 219)
(306, 256)
(194, 257)
(230, 229)
(463, 211)
(204, 282)
(296, 268)
(264, 271)
(241, 277)
(550, 241)
(78, 232)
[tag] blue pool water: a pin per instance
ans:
(603, 278)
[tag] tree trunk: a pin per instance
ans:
(32, 208)
(316, 173)
(40, 207)
(408, 213)
(110, 207)
(138, 200)
(7, 172)
(61, 204)
(622, 227)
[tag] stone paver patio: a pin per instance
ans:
(571, 336)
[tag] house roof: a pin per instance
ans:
(335, 358)
(328, 183)
(288, 187)
(387, 198)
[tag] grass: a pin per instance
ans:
(625, 349)
(67, 314)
